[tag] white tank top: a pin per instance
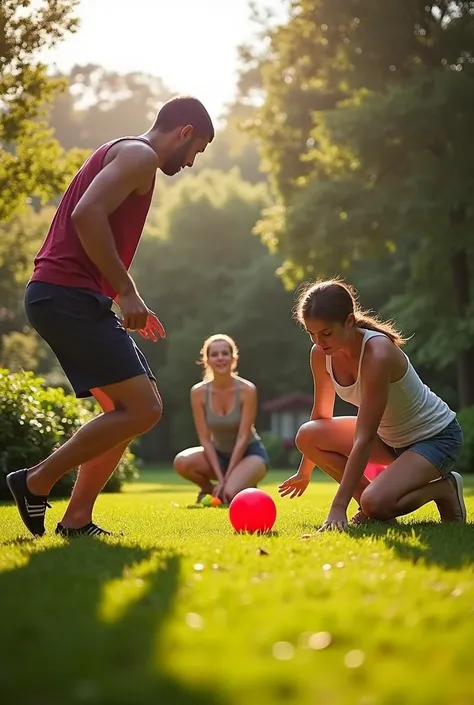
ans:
(413, 412)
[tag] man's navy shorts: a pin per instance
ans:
(86, 336)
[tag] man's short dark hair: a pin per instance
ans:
(185, 110)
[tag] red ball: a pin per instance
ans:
(252, 510)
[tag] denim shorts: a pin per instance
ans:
(442, 450)
(254, 448)
(88, 339)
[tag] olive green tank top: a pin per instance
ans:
(225, 427)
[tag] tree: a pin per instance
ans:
(100, 105)
(366, 128)
(20, 240)
(32, 163)
(234, 147)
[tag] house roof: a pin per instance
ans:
(289, 402)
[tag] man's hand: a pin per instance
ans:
(134, 311)
(153, 329)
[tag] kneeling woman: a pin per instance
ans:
(400, 423)
(224, 408)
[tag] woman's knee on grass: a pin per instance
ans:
(376, 504)
(233, 487)
(192, 463)
(248, 473)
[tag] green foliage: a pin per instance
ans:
(19, 351)
(126, 471)
(234, 147)
(366, 129)
(280, 455)
(369, 169)
(466, 419)
(275, 449)
(32, 163)
(34, 421)
(99, 105)
(20, 239)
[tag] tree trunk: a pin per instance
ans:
(465, 361)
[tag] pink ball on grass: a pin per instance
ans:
(252, 510)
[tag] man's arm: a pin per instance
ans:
(132, 168)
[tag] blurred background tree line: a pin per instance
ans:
(348, 151)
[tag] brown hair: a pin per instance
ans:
(183, 110)
(204, 354)
(333, 301)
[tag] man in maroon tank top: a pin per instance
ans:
(81, 268)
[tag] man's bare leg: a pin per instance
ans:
(92, 476)
(137, 408)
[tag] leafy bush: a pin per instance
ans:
(294, 458)
(35, 420)
(126, 471)
(276, 450)
(466, 419)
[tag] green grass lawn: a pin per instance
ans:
(180, 610)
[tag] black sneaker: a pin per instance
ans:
(32, 507)
(90, 529)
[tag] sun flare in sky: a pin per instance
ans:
(190, 44)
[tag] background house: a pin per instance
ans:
(287, 413)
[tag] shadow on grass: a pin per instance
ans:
(449, 546)
(80, 624)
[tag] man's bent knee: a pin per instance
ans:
(140, 400)
(147, 417)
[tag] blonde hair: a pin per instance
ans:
(333, 301)
(208, 374)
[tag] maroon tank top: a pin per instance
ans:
(62, 259)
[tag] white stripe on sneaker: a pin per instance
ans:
(35, 510)
(94, 531)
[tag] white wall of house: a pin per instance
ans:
(285, 424)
